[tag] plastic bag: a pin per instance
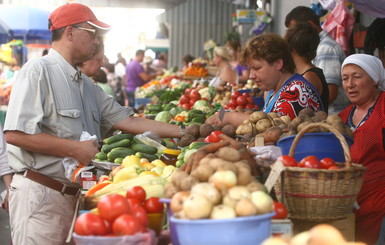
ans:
(70, 165)
(266, 155)
(148, 238)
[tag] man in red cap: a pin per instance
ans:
(51, 106)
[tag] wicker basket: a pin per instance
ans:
(320, 194)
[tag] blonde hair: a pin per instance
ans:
(222, 52)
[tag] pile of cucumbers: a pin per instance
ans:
(117, 147)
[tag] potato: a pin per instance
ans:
(244, 176)
(177, 178)
(187, 183)
(203, 173)
(306, 111)
(170, 190)
(319, 116)
(193, 129)
(278, 121)
(229, 154)
(262, 125)
(257, 116)
(271, 135)
(229, 130)
(228, 166)
(333, 119)
(205, 130)
(186, 140)
(294, 123)
(273, 115)
(247, 128)
(286, 119)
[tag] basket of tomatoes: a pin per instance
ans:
(319, 189)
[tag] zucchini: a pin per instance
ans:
(101, 156)
(108, 147)
(117, 137)
(118, 160)
(149, 157)
(144, 148)
(111, 156)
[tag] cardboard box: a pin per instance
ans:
(281, 227)
(345, 226)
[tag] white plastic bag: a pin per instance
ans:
(70, 164)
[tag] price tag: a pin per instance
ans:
(275, 173)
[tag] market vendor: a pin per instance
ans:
(363, 79)
(62, 104)
(272, 68)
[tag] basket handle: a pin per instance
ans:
(339, 136)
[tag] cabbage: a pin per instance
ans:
(202, 105)
(163, 116)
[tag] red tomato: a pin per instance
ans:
(195, 94)
(288, 161)
(280, 210)
(207, 139)
(192, 102)
(184, 99)
(186, 106)
(187, 91)
(88, 224)
(231, 103)
(112, 206)
(246, 94)
(235, 94)
(133, 202)
(136, 192)
(327, 162)
(140, 214)
(309, 162)
(241, 100)
(126, 224)
(250, 101)
(248, 106)
(153, 205)
(214, 136)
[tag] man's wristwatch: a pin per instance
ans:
(182, 130)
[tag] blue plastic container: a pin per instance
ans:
(250, 230)
(259, 101)
(320, 145)
(244, 91)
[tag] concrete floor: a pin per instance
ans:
(5, 234)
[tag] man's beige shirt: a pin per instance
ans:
(49, 95)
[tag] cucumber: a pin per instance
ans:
(136, 141)
(101, 156)
(144, 148)
(118, 160)
(149, 157)
(116, 138)
(108, 147)
(111, 156)
(121, 148)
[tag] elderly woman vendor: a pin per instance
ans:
(272, 68)
(363, 79)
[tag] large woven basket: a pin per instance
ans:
(320, 194)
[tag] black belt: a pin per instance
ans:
(51, 183)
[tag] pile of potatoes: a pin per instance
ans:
(272, 127)
(222, 186)
(196, 132)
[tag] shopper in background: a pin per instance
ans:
(329, 56)
(226, 74)
(363, 78)
(116, 83)
(303, 41)
(65, 103)
(147, 65)
(186, 60)
(160, 63)
(243, 72)
(6, 173)
(272, 68)
(136, 76)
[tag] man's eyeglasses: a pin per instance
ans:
(92, 31)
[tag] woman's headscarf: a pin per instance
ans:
(371, 64)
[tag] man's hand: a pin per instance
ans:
(86, 151)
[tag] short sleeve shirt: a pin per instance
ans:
(134, 68)
(51, 96)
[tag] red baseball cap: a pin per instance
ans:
(74, 13)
